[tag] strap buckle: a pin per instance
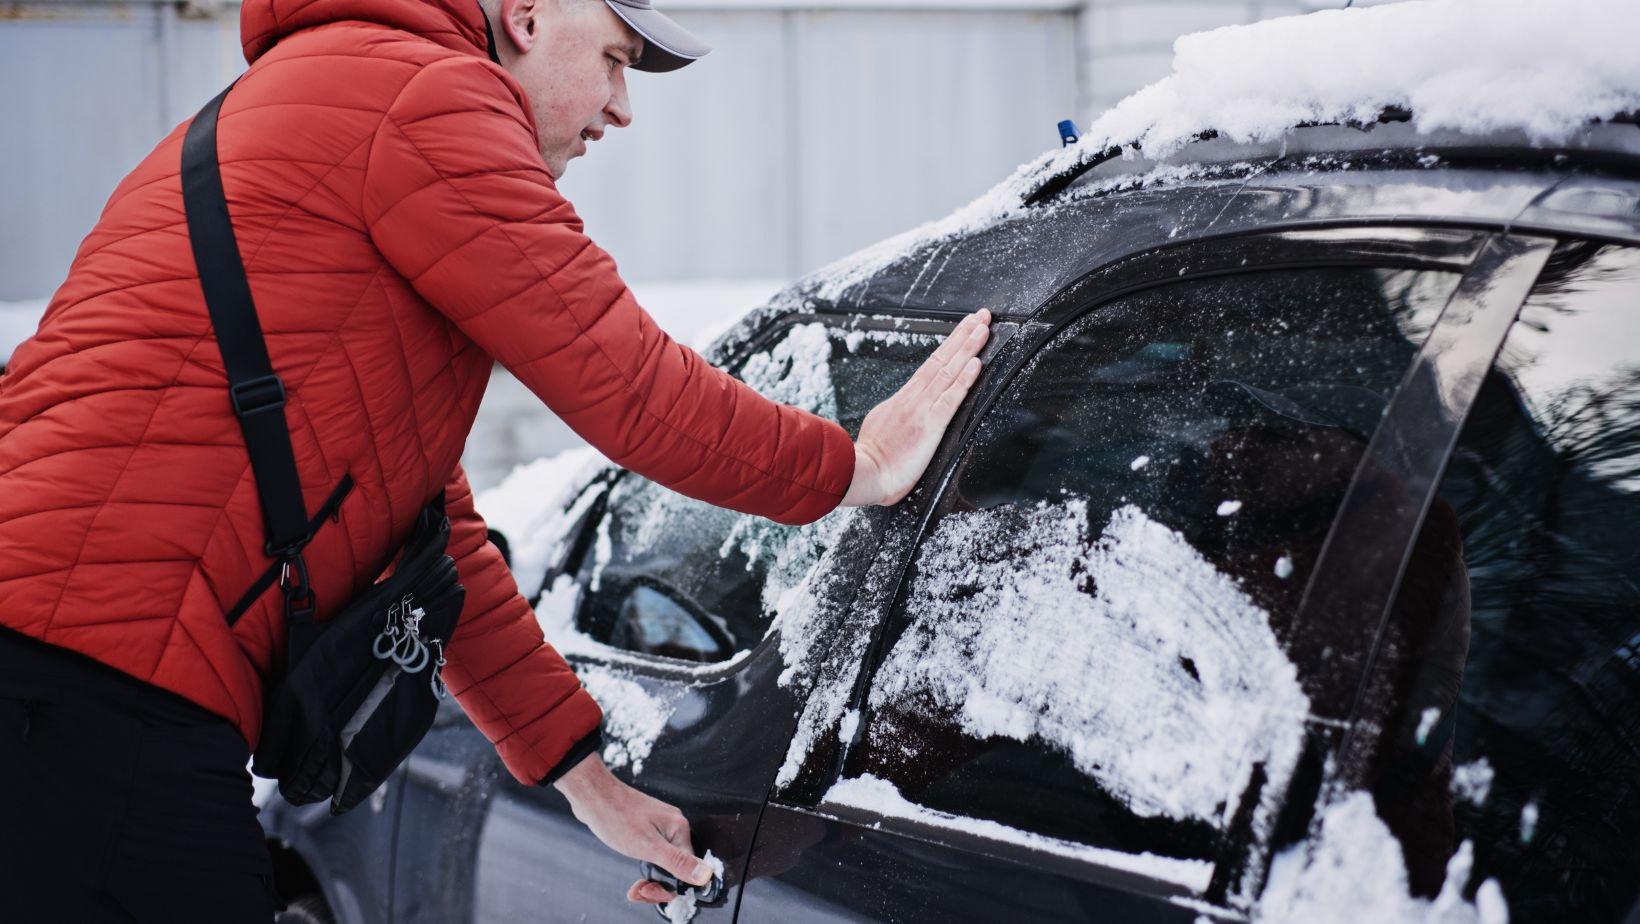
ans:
(257, 396)
(300, 601)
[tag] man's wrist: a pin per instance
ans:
(586, 781)
(575, 756)
(862, 489)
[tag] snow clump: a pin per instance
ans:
(633, 717)
(1356, 863)
(881, 797)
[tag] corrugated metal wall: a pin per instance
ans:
(805, 135)
(815, 128)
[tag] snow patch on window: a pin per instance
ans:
(633, 717)
(535, 506)
(1134, 656)
(1426, 724)
(1472, 782)
(882, 798)
(796, 371)
(1355, 863)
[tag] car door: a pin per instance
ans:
(1084, 700)
(1497, 744)
(665, 606)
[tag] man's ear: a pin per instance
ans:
(518, 22)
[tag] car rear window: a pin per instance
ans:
(1092, 643)
(1514, 648)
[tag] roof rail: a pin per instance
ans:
(1391, 131)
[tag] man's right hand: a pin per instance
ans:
(635, 825)
(899, 436)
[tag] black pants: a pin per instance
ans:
(120, 802)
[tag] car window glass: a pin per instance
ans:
(1513, 650)
(1091, 643)
(679, 578)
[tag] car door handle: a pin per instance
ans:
(707, 894)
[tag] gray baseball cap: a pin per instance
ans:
(667, 46)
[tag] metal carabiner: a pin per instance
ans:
(439, 689)
(410, 651)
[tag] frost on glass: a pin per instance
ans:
(728, 576)
(1124, 649)
(796, 371)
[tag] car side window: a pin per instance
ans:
(1091, 644)
(1513, 649)
(678, 578)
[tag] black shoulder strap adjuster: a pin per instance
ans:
(257, 396)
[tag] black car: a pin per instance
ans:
(1292, 532)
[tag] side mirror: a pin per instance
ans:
(657, 621)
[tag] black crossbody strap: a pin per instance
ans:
(257, 394)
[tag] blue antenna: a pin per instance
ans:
(1069, 134)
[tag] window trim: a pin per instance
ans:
(1355, 593)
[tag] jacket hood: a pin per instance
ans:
(456, 24)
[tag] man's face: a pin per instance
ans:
(570, 56)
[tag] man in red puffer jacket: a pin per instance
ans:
(389, 172)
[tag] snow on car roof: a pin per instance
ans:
(1473, 66)
(1477, 67)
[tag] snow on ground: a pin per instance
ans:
(1135, 657)
(882, 798)
(696, 311)
(533, 509)
(1471, 66)
(1355, 863)
(18, 321)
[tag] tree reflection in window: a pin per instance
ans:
(1522, 736)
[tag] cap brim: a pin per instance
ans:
(667, 46)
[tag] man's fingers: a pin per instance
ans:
(949, 400)
(959, 344)
(690, 868)
(649, 893)
(960, 360)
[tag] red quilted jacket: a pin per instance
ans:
(401, 234)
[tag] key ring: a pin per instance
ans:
(409, 650)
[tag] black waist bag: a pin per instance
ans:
(362, 688)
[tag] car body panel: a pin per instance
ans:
(1064, 240)
(350, 856)
(816, 867)
(473, 845)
